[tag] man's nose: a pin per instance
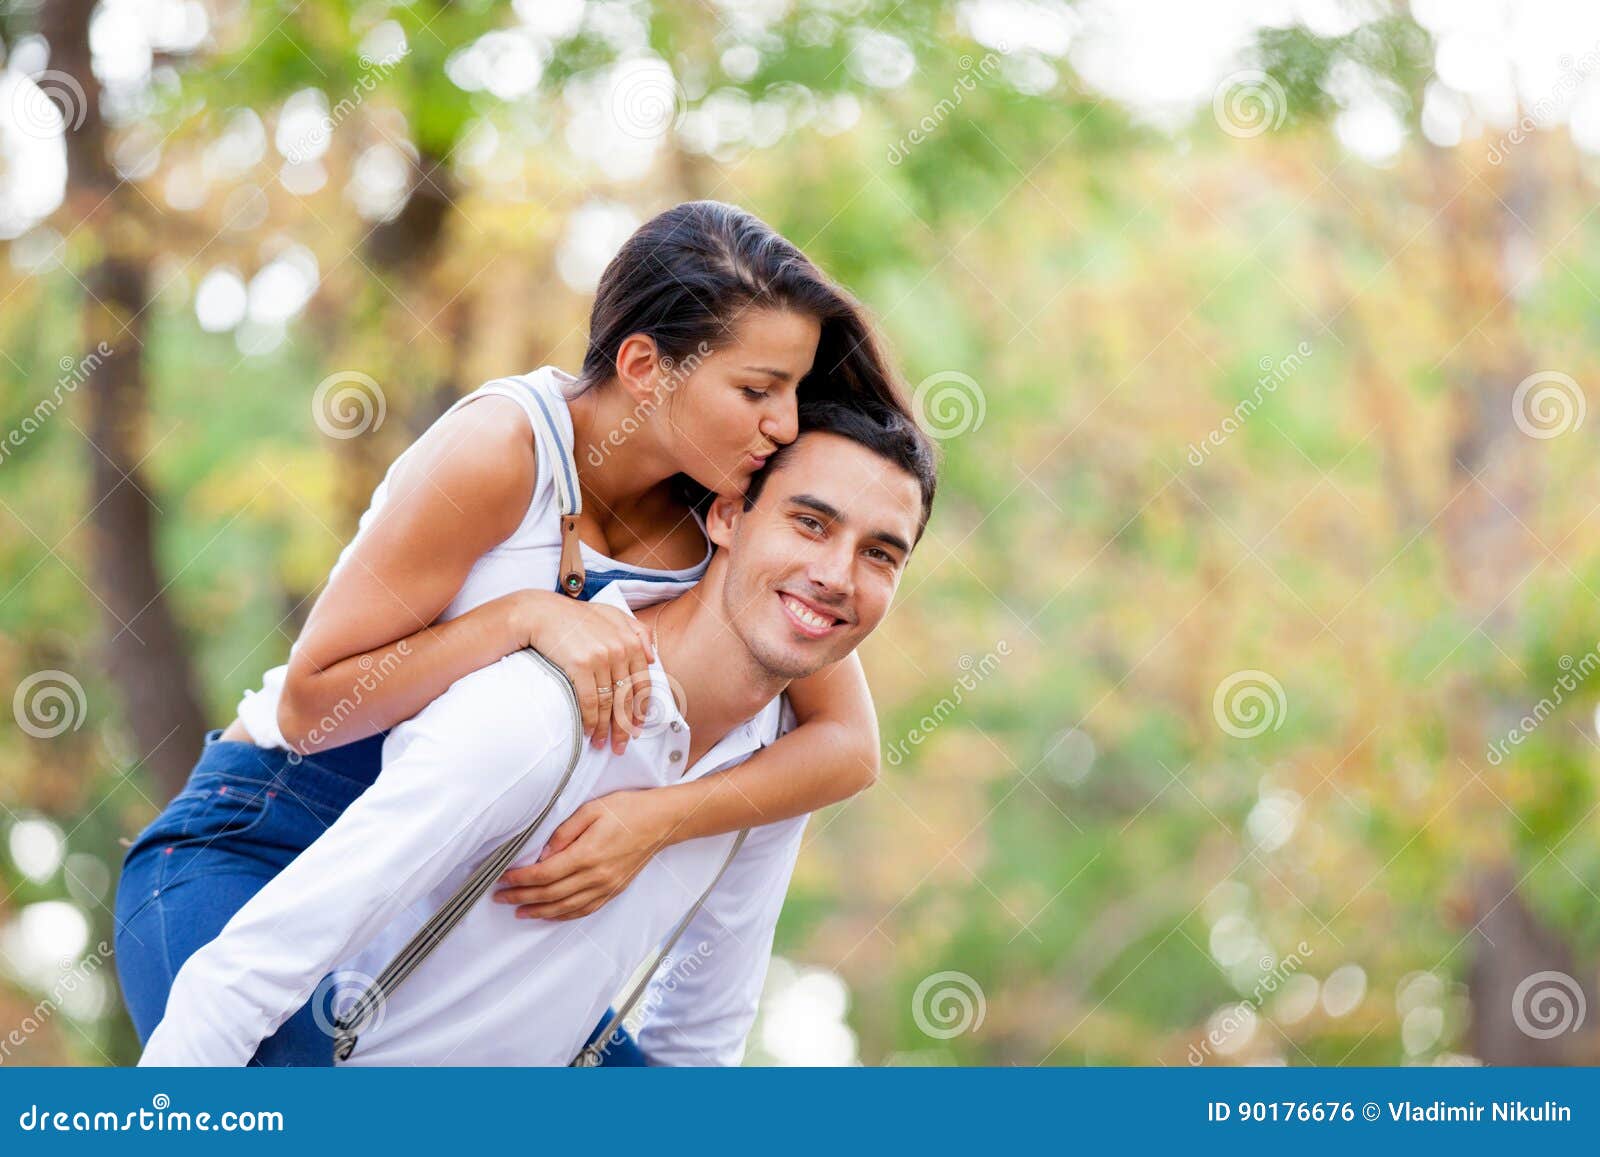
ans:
(832, 570)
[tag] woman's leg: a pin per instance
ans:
(243, 816)
(153, 944)
(620, 1050)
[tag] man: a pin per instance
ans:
(805, 569)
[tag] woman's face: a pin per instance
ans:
(731, 408)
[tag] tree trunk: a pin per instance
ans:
(1489, 221)
(145, 654)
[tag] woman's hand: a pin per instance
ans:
(604, 651)
(593, 856)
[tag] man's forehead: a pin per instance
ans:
(860, 483)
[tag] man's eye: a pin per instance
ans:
(808, 522)
(881, 554)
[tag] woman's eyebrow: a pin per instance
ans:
(781, 375)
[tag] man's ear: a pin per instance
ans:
(637, 361)
(722, 518)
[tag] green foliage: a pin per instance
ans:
(1074, 831)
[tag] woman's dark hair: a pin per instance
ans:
(686, 274)
(887, 433)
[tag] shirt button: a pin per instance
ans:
(675, 756)
(676, 726)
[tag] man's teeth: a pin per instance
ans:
(805, 614)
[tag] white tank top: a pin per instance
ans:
(529, 559)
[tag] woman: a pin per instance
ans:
(705, 328)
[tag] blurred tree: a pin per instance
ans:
(1149, 491)
(147, 658)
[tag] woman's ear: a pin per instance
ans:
(637, 359)
(722, 518)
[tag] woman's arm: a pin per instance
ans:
(831, 756)
(597, 851)
(371, 655)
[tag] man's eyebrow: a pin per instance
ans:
(889, 538)
(781, 375)
(830, 511)
(827, 509)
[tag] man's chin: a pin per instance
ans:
(787, 659)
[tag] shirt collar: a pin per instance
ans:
(762, 728)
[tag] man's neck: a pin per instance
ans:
(721, 683)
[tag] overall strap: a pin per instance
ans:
(593, 1055)
(564, 469)
(555, 449)
(350, 1024)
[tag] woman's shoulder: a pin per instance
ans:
(478, 460)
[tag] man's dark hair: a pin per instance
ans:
(887, 433)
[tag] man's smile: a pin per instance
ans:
(808, 618)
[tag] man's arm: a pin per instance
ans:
(462, 776)
(702, 1002)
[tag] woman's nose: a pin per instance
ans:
(782, 427)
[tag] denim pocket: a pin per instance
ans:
(218, 807)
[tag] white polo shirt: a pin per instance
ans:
(459, 779)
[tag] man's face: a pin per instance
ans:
(813, 565)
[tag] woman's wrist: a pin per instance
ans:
(673, 807)
(518, 619)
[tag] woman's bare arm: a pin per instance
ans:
(371, 654)
(831, 755)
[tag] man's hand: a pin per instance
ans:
(592, 856)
